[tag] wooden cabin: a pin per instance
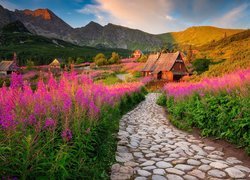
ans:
(167, 66)
(137, 53)
(7, 67)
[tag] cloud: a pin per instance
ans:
(8, 5)
(234, 16)
(170, 18)
(159, 16)
(151, 16)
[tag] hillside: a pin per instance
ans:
(198, 35)
(14, 37)
(233, 52)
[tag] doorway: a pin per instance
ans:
(177, 77)
(159, 75)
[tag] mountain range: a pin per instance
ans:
(44, 22)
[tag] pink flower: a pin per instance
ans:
(67, 135)
(49, 123)
(16, 81)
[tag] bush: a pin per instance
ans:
(100, 59)
(201, 65)
(114, 58)
(5, 81)
(162, 100)
(79, 60)
(30, 64)
(219, 115)
(143, 58)
(137, 74)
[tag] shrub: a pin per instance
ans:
(143, 58)
(219, 107)
(30, 64)
(79, 60)
(161, 100)
(201, 65)
(100, 59)
(220, 115)
(114, 58)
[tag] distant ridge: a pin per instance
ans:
(45, 23)
(198, 35)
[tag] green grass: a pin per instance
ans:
(109, 80)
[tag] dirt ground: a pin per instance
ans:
(228, 148)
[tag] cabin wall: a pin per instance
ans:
(179, 67)
(145, 73)
(168, 75)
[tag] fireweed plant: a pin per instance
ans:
(65, 128)
(219, 107)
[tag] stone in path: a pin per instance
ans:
(150, 147)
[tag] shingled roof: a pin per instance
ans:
(7, 66)
(152, 58)
(165, 62)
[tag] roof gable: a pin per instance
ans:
(55, 62)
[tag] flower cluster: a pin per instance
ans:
(57, 102)
(132, 67)
(225, 83)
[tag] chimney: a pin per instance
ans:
(14, 58)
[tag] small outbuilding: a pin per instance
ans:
(137, 53)
(56, 63)
(7, 67)
(167, 66)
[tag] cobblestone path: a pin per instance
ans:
(150, 148)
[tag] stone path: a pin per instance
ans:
(123, 76)
(150, 147)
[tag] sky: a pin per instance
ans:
(152, 16)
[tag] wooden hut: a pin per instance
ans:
(137, 53)
(7, 67)
(56, 63)
(168, 66)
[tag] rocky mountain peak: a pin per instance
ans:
(46, 14)
(93, 24)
